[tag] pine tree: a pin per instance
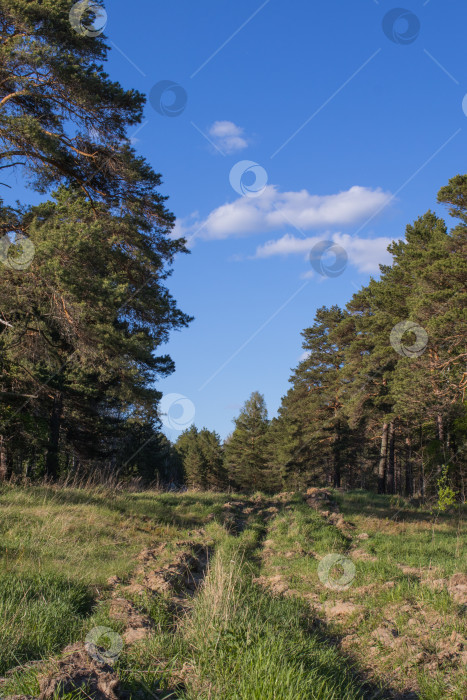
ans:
(246, 452)
(211, 449)
(367, 406)
(311, 412)
(81, 329)
(200, 453)
(61, 118)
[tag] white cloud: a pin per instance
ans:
(364, 253)
(228, 137)
(274, 210)
(286, 245)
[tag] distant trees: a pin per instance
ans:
(200, 454)
(378, 400)
(246, 449)
(312, 407)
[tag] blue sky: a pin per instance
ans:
(355, 129)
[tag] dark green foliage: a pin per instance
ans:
(362, 412)
(61, 117)
(200, 454)
(246, 449)
(85, 323)
(311, 411)
(82, 324)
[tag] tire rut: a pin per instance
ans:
(85, 666)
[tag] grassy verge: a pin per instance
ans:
(59, 548)
(398, 619)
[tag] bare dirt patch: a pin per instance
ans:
(137, 626)
(237, 513)
(277, 585)
(456, 585)
(340, 608)
(178, 580)
(362, 554)
(77, 670)
(323, 501)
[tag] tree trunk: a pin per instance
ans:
(422, 482)
(408, 468)
(391, 465)
(382, 460)
(440, 430)
(51, 462)
(440, 427)
(336, 460)
(3, 460)
(337, 475)
(336, 457)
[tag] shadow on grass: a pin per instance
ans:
(153, 688)
(386, 507)
(370, 690)
(164, 508)
(147, 506)
(40, 614)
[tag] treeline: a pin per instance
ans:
(83, 302)
(379, 400)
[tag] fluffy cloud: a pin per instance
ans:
(274, 210)
(227, 136)
(364, 253)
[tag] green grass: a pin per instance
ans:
(398, 535)
(59, 547)
(39, 615)
(248, 644)
(239, 642)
